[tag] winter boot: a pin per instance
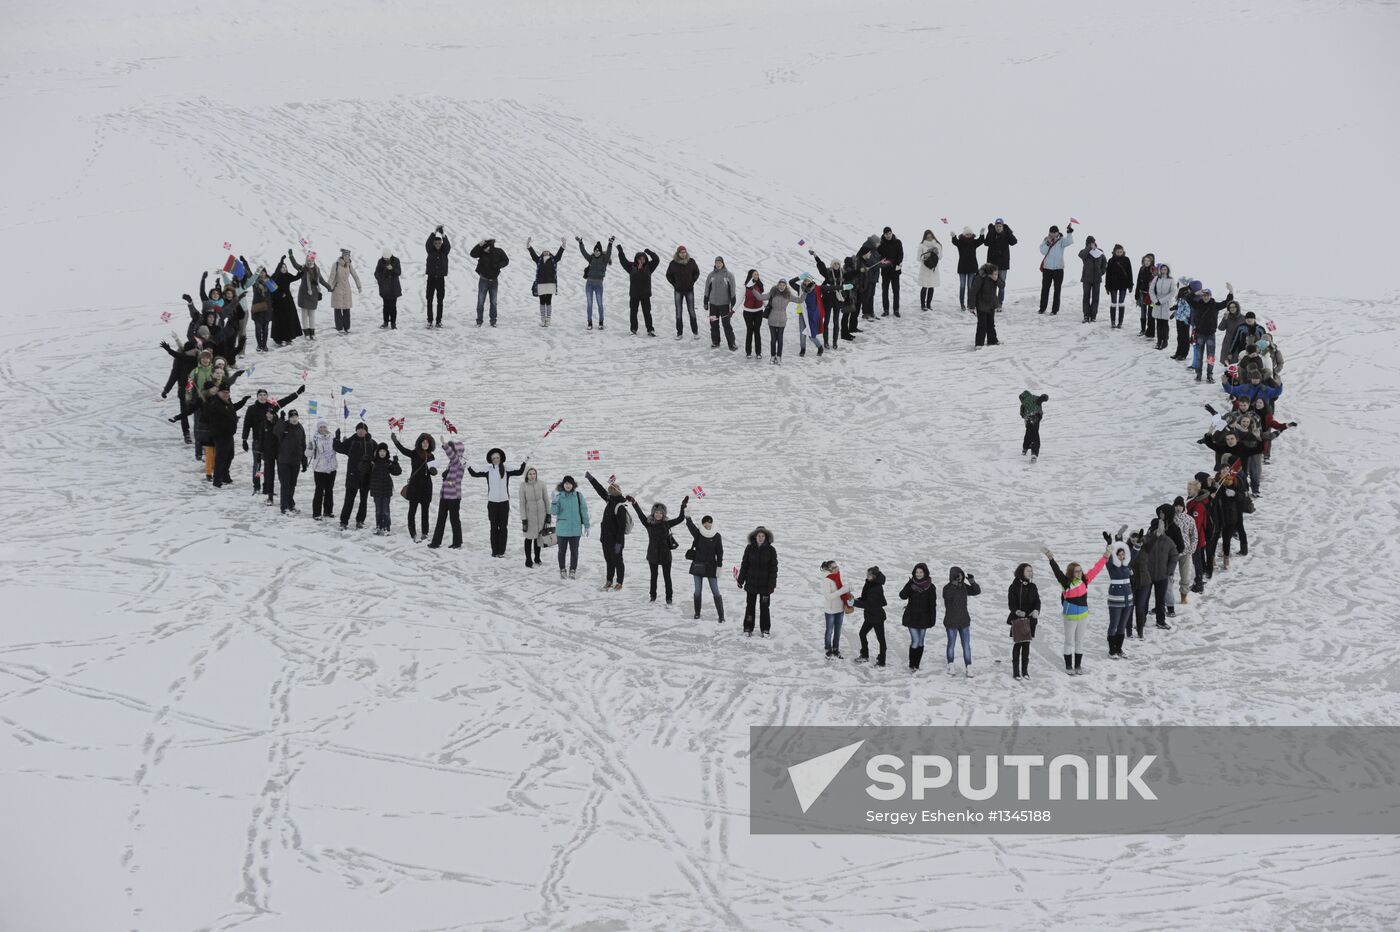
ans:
(913, 658)
(1069, 658)
(880, 660)
(1077, 659)
(1113, 645)
(697, 608)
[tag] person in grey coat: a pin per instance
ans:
(777, 300)
(1052, 266)
(534, 515)
(721, 295)
(342, 273)
(1095, 264)
(308, 292)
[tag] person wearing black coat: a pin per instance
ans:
(835, 292)
(999, 240)
(1142, 293)
(872, 601)
(659, 540)
(490, 260)
(613, 529)
(1205, 319)
(286, 324)
(1118, 279)
(382, 471)
(758, 577)
(956, 619)
(291, 457)
(867, 275)
(920, 611)
(358, 450)
(546, 278)
(1022, 615)
(419, 488)
(386, 272)
(982, 301)
(221, 420)
(967, 245)
(639, 270)
(683, 272)
(438, 246)
(706, 556)
(182, 363)
(892, 252)
(256, 422)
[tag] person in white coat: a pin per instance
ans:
(1163, 292)
(342, 273)
(836, 595)
(534, 514)
(320, 452)
(928, 268)
(1052, 267)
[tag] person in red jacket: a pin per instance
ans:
(1196, 499)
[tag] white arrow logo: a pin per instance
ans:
(811, 777)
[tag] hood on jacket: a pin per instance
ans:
(873, 575)
(381, 446)
(1120, 553)
(920, 583)
(432, 444)
(321, 423)
(706, 532)
(767, 534)
(955, 574)
(496, 450)
(598, 248)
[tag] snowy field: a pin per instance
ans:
(216, 718)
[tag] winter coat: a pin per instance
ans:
(546, 265)
(928, 277)
(386, 273)
(955, 593)
(497, 477)
(1163, 294)
(1120, 574)
(357, 451)
(291, 443)
(1205, 315)
(758, 571)
(1054, 253)
(999, 246)
(1022, 600)
(255, 419)
(1246, 335)
(570, 511)
(321, 452)
(286, 325)
(490, 259)
(683, 275)
(835, 593)
(1249, 391)
(706, 551)
(753, 295)
(1118, 274)
(341, 275)
(1074, 600)
(614, 528)
(437, 258)
(720, 290)
(420, 473)
(921, 598)
(534, 508)
(777, 300)
(1160, 555)
(1229, 327)
(640, 284)
(309, 292)
(1146, 275)
(596, 268)
(452, 476)
(983, 299)
(658, 535)
(967, 252)
(220, 418)
(872, 599)
(1093, 266)
(382, 471)
(1030, 404)
(892, 251)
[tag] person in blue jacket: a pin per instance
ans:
(1052, 266)
(570, 511)
(1120, 594)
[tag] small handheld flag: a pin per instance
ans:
(945, 220)
(396, 423)
(346, 389)
(437, 407)
(1211, 360)
(594, 456)
(304, 374)
(1270, 326)
(304, 242)
(612, 478)
(363, 412)
(698, 491)
(451, 429)
(165, 317)
(1073, 219)
(239, 269)
(227, 246)
(802, 242)
(1232, 371)
(345, 412)
(311, 409)
(552, 426)
(229, 263)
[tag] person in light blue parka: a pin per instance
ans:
(1052, 267)
(570, 511)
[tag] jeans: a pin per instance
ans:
(437, 284)
(593, 290)
(261, 324)
(775, 341)
(1204, 351)
(1051, 278)
(889, 281)
(381, 511)
(965, 280)
(964, 635)
(714, 593)
(1253, 467)
(753, 333)
(1091, 300)
(1031, 441)
(498, 515)
(485, 287)
(1001, 288)
(686, 298)
(568, 545)
(353, 487)
(833, 630)
(641, 303)
(448, 508)
(323, 498)
(1120, 619)
(916, 637)
(720, 315)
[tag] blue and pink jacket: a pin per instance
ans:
(1074, 601)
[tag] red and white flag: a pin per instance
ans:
(437, 407)
(396, 423)
(698, 491)
(304, 374)
(451, 429)
(304, 242)
(945, 220)
(165, 317)
(1232, 371)
(1270, 326)
(552, 426)
(802, 242)
(227, 246)
(1210, 360)
(612, 478)
(1074, 220)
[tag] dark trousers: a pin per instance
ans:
(223, 460)
(925, 299)
(1051, 278)
(448, 508)
(498, 514)
(391, 312)
(665, 568)
(686, 298)
(323, 498)
(720, 316)
(1117, 303)
(185, 411)
(889, 281)
(775, 341)
(437, 284)
(257, 467)
(1230, 531)
(1032, 439)
(1183, 339)
(879, 628)
(1020, 658)
(986, 328)
(1162, 328)
(753, 333)
(532, 551)
(342, 318)
(835, 327)
(567, 545)
(287, 475)
(1198, 566)
(867, 293)
(752, 599)
(1145, 310)
(354, 487)
(418, 510)
(261, 325)
(612, 556)
(269, 476)
(639, 303)
(1091, 300)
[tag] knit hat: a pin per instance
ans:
(293, 413)
(388, 254)
(362, 424)
(1202, 477)
(1054, 229)
(1195, 284)
(967, 231)
(1248, 315)
(345, 254)
(997, 220)
(888, 230)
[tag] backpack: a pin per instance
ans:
(931, 259)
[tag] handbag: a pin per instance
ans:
(548, 537)
(1021, 629)
(690, 554)
(849, 609)
(672, 539)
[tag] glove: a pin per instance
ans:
(524, 526)
(301, 389)
(303, 464)
(1035, 613)
(1107, 538)
(432, 470)
(1020, 614)
(187, 298)
(245, 445)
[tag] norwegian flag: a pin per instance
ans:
(451, 429)
(396, 423)
(945, 220)
(165, 317)
(552, 426)
(189, 384)
(736, 572)
(1232, 371)
(437, 407)
(304, 242)
(802, 242)
(272, 400)
(698, 491)
(1073, 219)
(1211, 360)
(594, 456)
(612, 478)
(304, 374)
(1270, 326)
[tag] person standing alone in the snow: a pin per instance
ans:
(758, 577)
(892, 252)
(1031, 413)
(1052, 266)
(438, 246)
